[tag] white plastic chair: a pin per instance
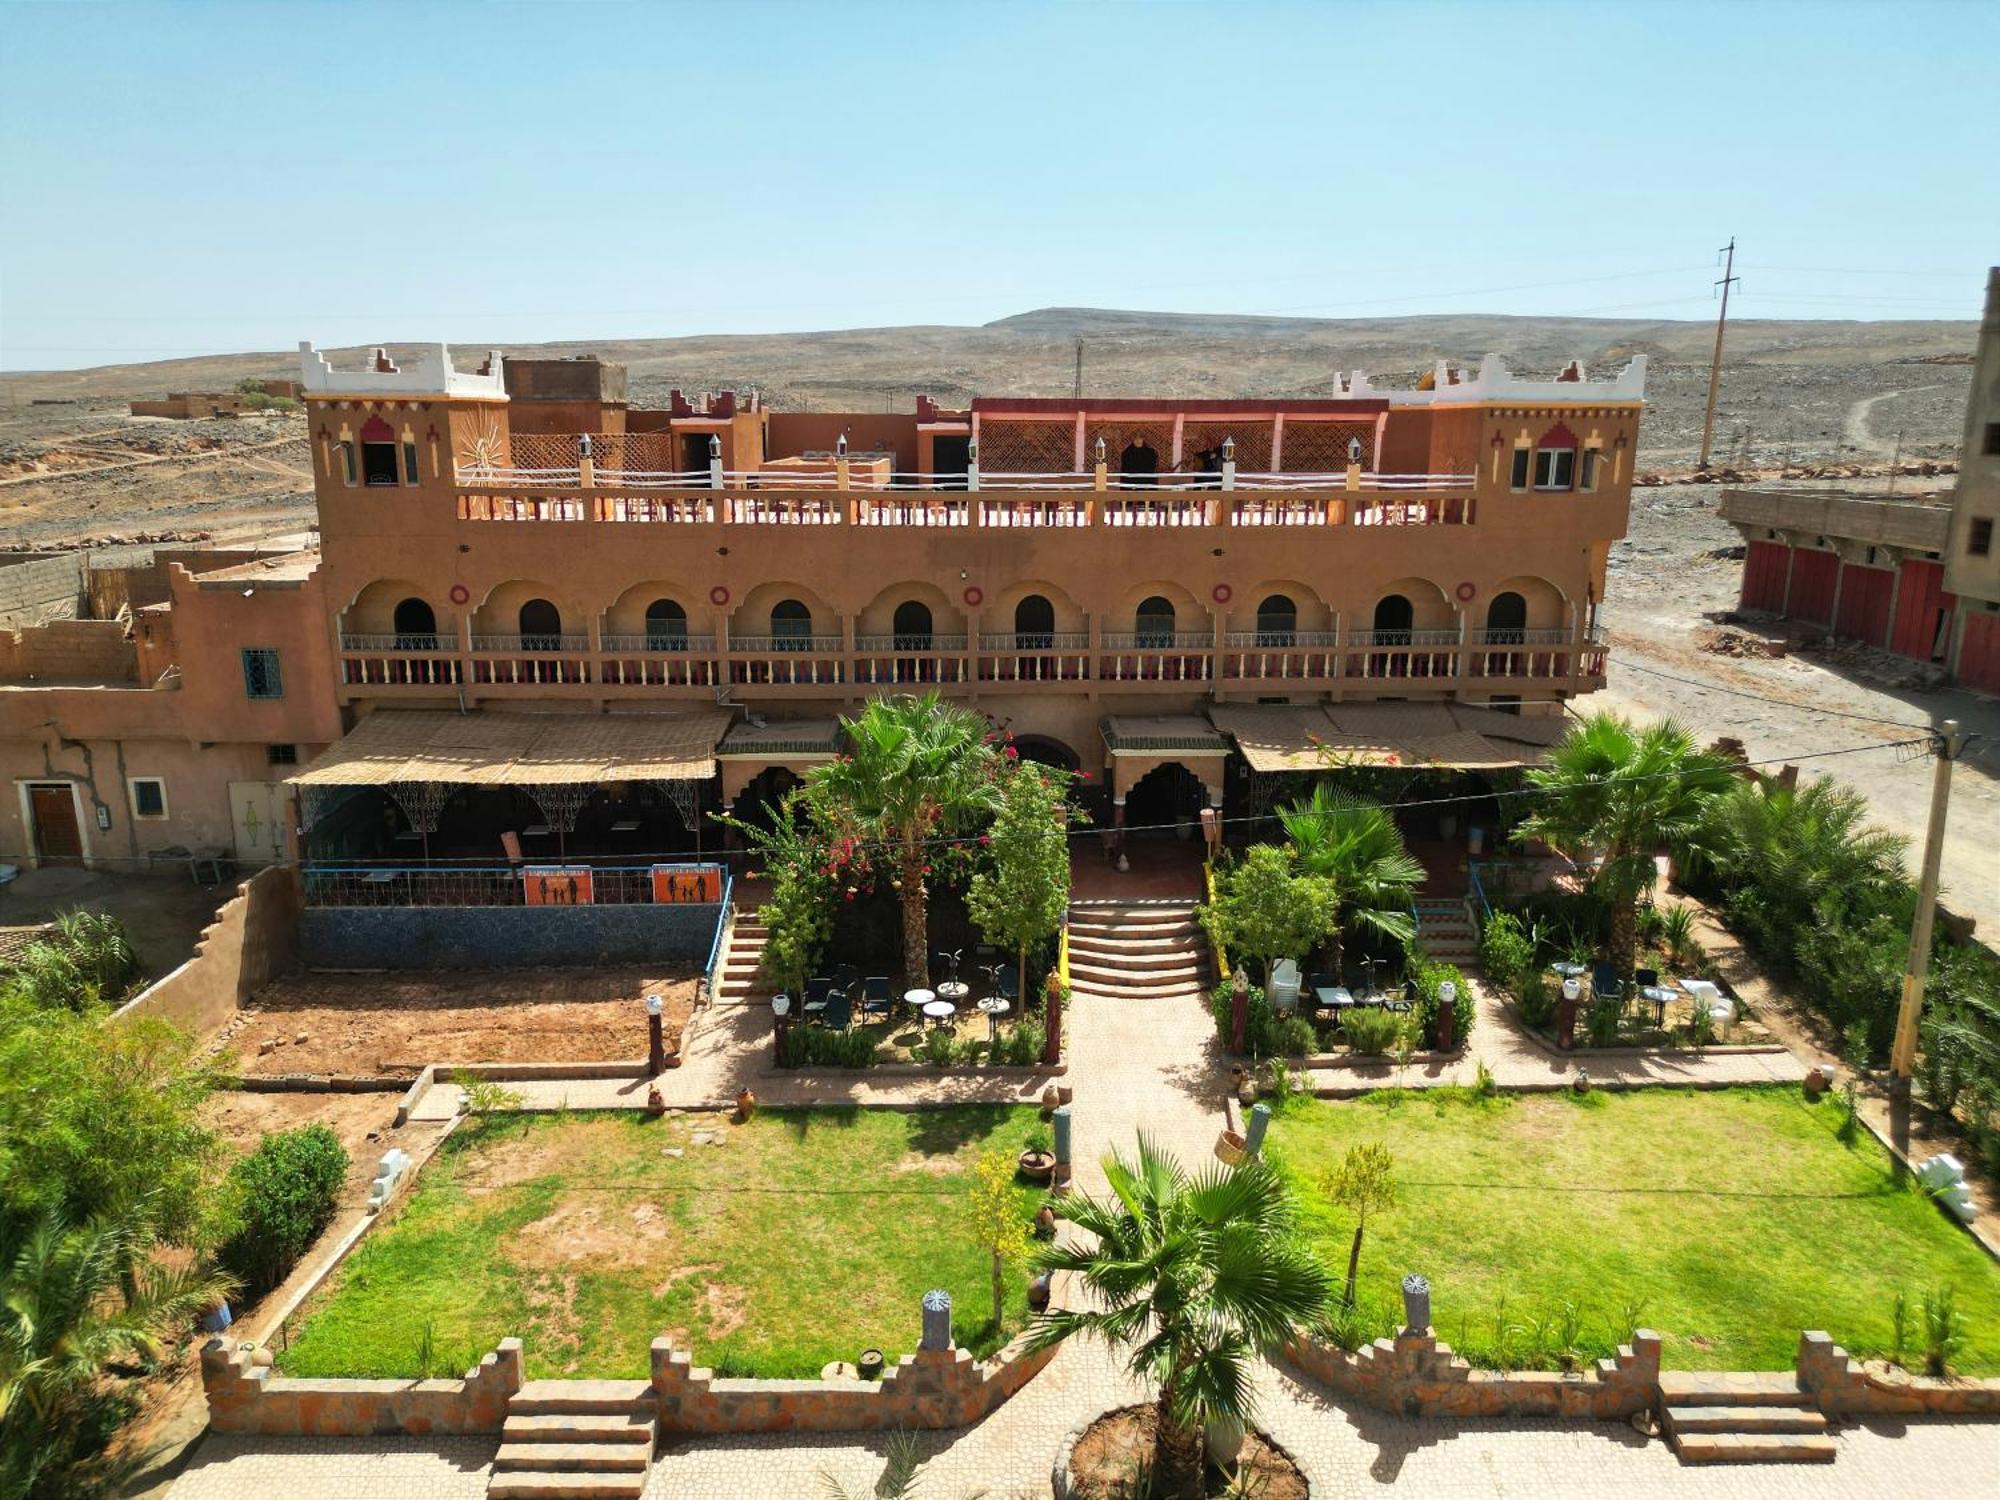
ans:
(1284, 994)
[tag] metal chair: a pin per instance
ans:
(878, 997)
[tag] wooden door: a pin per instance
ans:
(53, 809)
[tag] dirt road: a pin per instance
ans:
(1663, 587)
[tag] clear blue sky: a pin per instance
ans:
(198, 177)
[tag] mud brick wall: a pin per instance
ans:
(69, 651)
(502, 937)
(1841, 1387)
(243, 1397)
(40, 586)
(1417, 1376)
(929, 1389)
(253, 939)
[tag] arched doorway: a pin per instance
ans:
(1506, 625)
(1139, 464)
(1166, 803)
(912, 626)
(415, 625)
(1394, 615)
(1278, 621)
(1155, 621)
(791, 626)
(541, 626)
(1044, 751)
(666, 626)
(1034, 624)
(758, 802)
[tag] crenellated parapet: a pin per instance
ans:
(430, 373)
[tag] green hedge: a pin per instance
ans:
(286, 1191)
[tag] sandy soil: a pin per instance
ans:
(163, 913)
(1666, 584)
(398, 1022)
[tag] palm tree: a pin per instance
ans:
(1623, 793)
(916, 769)
(62, 1322)
(1196, 1277)
(1357, 846)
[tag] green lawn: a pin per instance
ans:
(1729, 1221)
(806, 1237)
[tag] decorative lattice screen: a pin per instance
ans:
(1253, 443)
(1321, 447)
(1027, 447)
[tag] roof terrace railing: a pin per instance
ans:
(861, 479)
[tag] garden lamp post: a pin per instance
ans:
(656, 1042)
(1566, 1014)
(1447, 1028)
(781, 1024)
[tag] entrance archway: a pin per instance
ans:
(666, 626)
(1277, 621)
(791, 625)
(1139, 464)
(416, 625)
(911, 626)
(1155, 622)
(541, 626)
(1506, 618)
(1166, 803)
(1394, 617)
(1034, 624)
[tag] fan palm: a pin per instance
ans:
(1612, 789)
(916, 769)
(62, 1320)
(1357, 846)
(1196, 1276)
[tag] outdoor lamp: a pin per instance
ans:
(1354, 450)
(781, 1010)
(583, 444)
(1572, 988)
(714, 446)
(654, 1005)
(1447, 993)
(781, 1004)
(1229, 450)
(1098, 450)
(656, 1044)
(840, 446)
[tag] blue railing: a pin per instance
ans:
(530, 883)
(1478, 888)
(721, 926)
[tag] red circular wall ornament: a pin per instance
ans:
(1222, 593)
(1465, 593)
(460, 593)
(719, 595)
(974, 596)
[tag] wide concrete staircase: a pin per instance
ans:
(576, 1440)
(1743, 1419)
(1445, 928)
(738, 982)
(1136, 951)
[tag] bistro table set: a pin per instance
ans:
(834, 1000)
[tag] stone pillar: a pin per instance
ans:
(937, 1320)
(972, 467)
(1064, 1139)
(1253, 1136)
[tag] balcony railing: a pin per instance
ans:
(909, 643)
(660, 641)
(748, 645)
(531, 643)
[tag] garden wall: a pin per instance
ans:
(244, 1397)
(928, 1389)
(503, 937)
(251, 941)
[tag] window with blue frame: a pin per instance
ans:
(261, 676)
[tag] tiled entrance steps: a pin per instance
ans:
(739, 983)
(1741, 1419)
(1446, 930)
(1139, 951)
(576, 1440)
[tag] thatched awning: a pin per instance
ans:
(1164, 734)
(510, 749)
(1313, 737)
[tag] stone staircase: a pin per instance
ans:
(576, 1440)
(738, 982)
(1136, 951)
(1743, 1419)
(1446, 930)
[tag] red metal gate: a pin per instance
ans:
(1864, 604)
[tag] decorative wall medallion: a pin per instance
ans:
(1465, 593)
(718, 596)
(460, 593)
(974, 596)
(1222, 593)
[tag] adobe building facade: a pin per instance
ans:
(1096, 577)
(1916, 576)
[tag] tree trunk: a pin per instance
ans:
(1178, 1454)
(1625, 937)
(916, 922)
(1021, 982)
(1354, 1262)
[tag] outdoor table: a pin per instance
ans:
(1659, 994)
(536, 831)
(918, 999)
(378, 877)
(1569, 970)
(626, 825)
(995, 1008)
(1333, 997)
(940, 1011)
(954, 990)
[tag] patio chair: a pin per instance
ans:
(1284, 994)
(1605, 983)
(846, 978)
(838, 1013)
(819, 989)
(1644, 977)
(878, 997)
(1005, 980)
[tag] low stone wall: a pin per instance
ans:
(250, 942)
(1415, 1375)
(246, 1397)
(503, 937)
(931, 1388)
(1839, 1386)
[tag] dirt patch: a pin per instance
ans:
(725, 1307)
(1114, 1450)
(940, 1164)
(395, 1023)
(552, 1300)
(679, 1274)
(363, 1122)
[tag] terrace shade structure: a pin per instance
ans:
(500, 788)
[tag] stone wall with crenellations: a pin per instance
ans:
(247, 1397)
(1415, 1375)
(1839, 1386)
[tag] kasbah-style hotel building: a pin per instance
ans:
(541, 616)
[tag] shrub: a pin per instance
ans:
(817, 1047)
(1296, 1037)
(1370, 1031)
(1505, 952)
(1677, 932)
(1021, 1046)
(1260, 1035)
(938, 1047)
(286, 1191)
(1602, 1023)
(1429, 975)
(1538, 1000)
(1944, 1331)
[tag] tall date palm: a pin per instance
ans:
(1195, 1276)
(915, 770)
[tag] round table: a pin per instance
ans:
(918, 999)
(1568, 970)
(940, 1011)
(954, 990)
(995, 1007)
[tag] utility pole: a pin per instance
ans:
(1715, 365)
(1903, 1055)
(1076, 391)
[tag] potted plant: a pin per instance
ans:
(1038, 1158)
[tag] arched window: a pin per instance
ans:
(1506, 619)
(791, 626)
(1394, 615)
(378, 453)
(666, 626)
(912, 626)
(1555, 459)
(416, 626)
(541, 626)
(1278, 621)
(1139, 463)
(1156, 622)
(1034, 624)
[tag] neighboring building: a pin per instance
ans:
(195, 405)
(1917, 576)
(598, 620)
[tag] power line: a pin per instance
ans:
(1830, 713)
